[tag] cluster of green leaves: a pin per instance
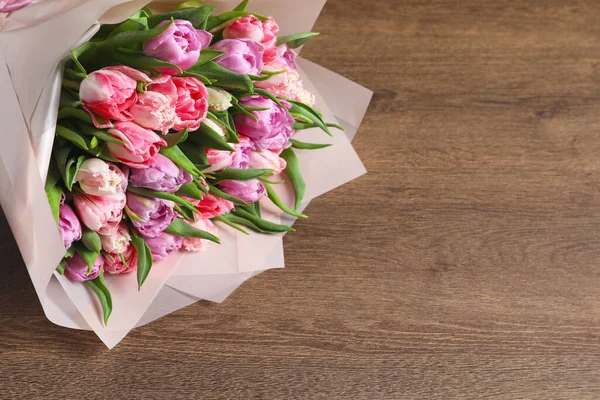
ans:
(77, 138)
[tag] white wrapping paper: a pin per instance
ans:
(30, 86)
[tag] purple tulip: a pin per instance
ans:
(180, 44)
(243, 56)
(152, 215)
(286, 56)
(274, 127)
(249, 191)
(76, 269)
(162, 176)
(163, 245)
(241, 156)
(7, 6)
(69, 226)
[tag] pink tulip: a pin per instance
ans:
(195, 244)
(100, 178)
(118, 242)
(248, 27)
(153, 110)
(191, 101)
(266, 159)
(218, 159)
(263, 33)
(212, 206)
(287, 85)
(101, 214)
(114, 265)
(109, 93)
(141, 145)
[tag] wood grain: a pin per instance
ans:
(465, 265)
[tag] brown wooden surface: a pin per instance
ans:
(465, 265)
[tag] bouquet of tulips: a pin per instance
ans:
(176, 142)
(167, 124)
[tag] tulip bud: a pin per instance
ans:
(99, 178)
(218, 99)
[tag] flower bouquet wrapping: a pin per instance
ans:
(158, 152)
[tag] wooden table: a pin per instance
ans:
(465, 265)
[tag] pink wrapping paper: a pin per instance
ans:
(30, 86)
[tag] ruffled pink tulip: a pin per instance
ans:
(191, 101)
(141, 145)
(109, 93)
(118, 242)
(263, 33)
(101, 214)
(212, 206)
(114, 265)
(100, 178)
(154, 110)
(195, 244)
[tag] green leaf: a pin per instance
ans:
(53, 191)
(197, 16)
(309, 114)
(195, 153)
(219, 193)
(70, 252)
(190, 190)
(242, 6)
(90, 257)
(99, 288)
(78, 52)
(222, 77)
(102, 135)
(270, 95)
(61, 266)
(124, 39)
(226, 119)
(227, 222)
(161, 195)
(207, 137)
(68, 99)
(182, 229)
(72, 137)
(277, 201)
(142, 62)
(219, 21)
(296, 40)
(307, 146)
(91, 240)
(189, 4)
(144, 259)
(207, 55)
(293, 172)
(231, 174)
(176, 138)
(68, 166)
(178, 157)
(69, 112)
(263, 226)
(185, 213)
